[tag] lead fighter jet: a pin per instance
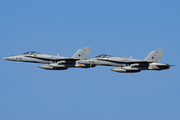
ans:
(53, 62)
(129, 65)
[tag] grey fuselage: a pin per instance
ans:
(50, 62)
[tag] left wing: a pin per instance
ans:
(48, 57)
(127, 61)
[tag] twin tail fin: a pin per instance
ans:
(82, 53)
(155, 55)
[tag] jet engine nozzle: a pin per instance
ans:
(159, 66)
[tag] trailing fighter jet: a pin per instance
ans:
(53, 62)
(129, 65)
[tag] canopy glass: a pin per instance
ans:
(104, 56)
(31, 53)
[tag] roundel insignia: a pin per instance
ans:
(153, 66)
(79, 55)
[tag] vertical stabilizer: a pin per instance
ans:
(82, 53)
(155, 55)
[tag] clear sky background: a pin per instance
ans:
(119, 28)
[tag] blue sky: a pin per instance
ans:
(119, 28)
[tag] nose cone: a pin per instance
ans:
(9, 58)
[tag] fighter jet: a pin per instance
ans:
(129, 65)
(54, 62)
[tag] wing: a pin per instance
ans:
(47, 57)
(126, 61)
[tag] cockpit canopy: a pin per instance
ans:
(31, 53)
(104, 56)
